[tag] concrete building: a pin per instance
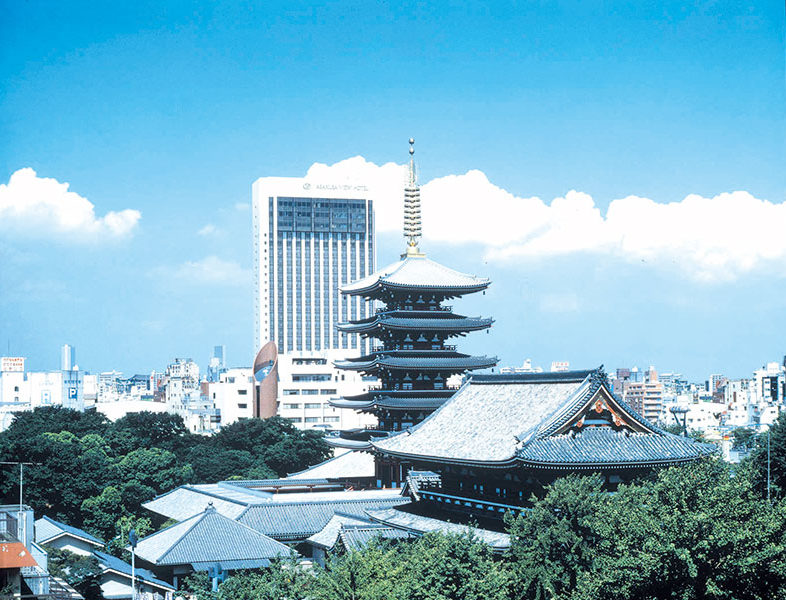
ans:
(307, 382)
(644, 393)
(67, 357)
(233, 395)
(217, 364)
(310, 238)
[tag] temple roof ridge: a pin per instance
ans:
(416, 272)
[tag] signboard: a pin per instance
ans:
(72, 393)
(12, 364)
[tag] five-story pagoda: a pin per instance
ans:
(412, 360)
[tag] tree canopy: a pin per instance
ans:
(96, 474)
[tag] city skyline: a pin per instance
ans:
(627, 205)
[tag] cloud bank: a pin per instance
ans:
(212, 270)
(706, 239)
(42, 206)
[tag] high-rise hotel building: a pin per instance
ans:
(310, 238)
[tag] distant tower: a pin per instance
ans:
(412, 358)
(67, 357)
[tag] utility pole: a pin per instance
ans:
(132, 540)
(21, 494)
(768, 466)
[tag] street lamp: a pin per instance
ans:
(681, 410)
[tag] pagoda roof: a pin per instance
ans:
(548, 420)
(417, 272)
(456, 362)
(393, 402)
(439, 322)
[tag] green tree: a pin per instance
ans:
(283, 580)
(758, 459)
(101, 512)
(552, 545)
(275, 443)
(149, 430)
(153, 467)
(81, 572)
(377, 572)
(744, 437)
(693, 533)
(453, 567)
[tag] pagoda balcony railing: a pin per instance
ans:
(406, 348)
(426, 308)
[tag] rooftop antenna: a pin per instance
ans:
(412, 219)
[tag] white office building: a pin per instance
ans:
(311, 238)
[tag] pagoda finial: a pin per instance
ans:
(412, 219)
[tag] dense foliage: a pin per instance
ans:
(758, 460)
(691, 533)
(95, 474)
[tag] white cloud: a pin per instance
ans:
(208, 229)
(559, 302)
(42, 206)
(707, 239)
(212, 270)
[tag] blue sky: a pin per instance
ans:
(173, 111)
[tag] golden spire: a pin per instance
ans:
(412, 220)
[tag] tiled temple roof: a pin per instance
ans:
(205, 537)
(420, 273)
(391, 402)
(497, 420)
(357, 537)
(596, 447)
(347, 465)
(458, 362)
(298, 520)
(107, 562)
(457, 324)
(418, 524)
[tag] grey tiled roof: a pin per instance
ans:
(47, 529)
(480, 422)
(347, 465)
(328, 535)
(205, 537)
(422, 363)
(357, 537)
(456, 324)
(299, 520)
(383, 401)
(185, 501)
(420, 525)
(602, 446)
(419, 272)
(501, 419)
(108, 562)
(340, 442)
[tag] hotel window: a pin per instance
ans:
(313, 405)
(292, 406)
(312, 419)
(242, 405)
